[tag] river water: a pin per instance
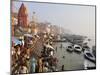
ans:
(72, 61)
(92, 42)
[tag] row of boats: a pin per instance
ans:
(88, 54)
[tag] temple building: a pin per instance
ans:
(23, 16)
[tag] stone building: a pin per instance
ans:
(23, 16)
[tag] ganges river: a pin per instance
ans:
(71, 61)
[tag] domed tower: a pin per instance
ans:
(23, 16)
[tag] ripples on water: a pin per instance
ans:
(72, 61)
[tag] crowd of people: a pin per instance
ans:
(21, 59)
(48, 59)
(48, 62)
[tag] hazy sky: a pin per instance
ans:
(77, 19)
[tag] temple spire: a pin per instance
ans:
(23, 16)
